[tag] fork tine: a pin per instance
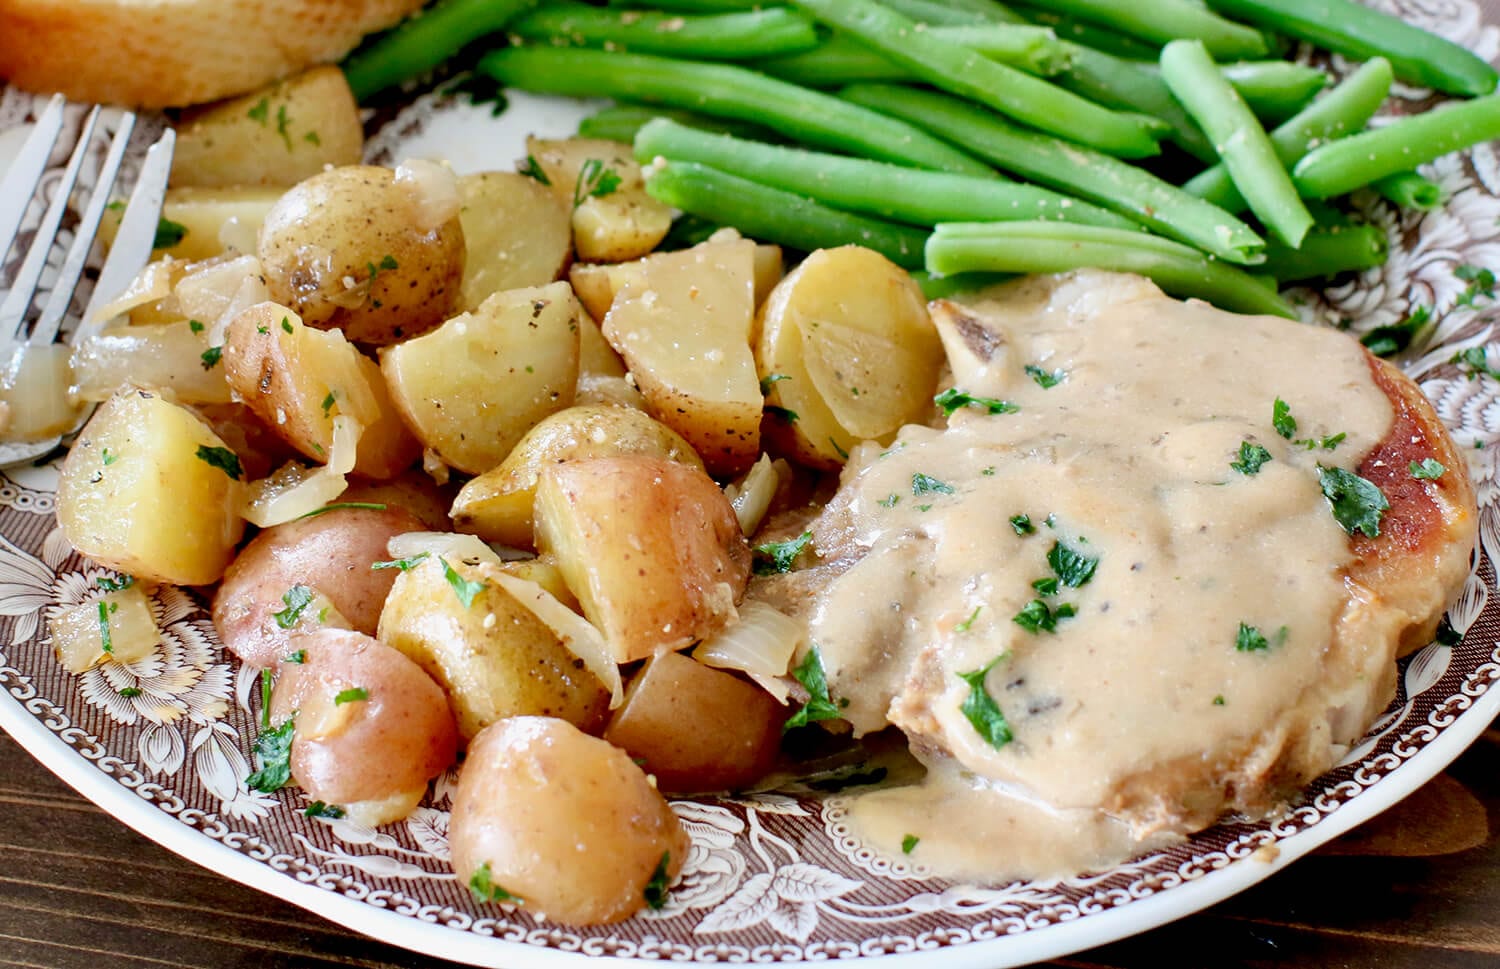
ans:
(45, 330)
(23, 287)
(26, 171)
(132, 248)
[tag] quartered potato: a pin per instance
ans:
(601, 373)
(650, 547)
(472, 388)
(596, 283)
(150, 490)
(278, 135)
(601, 184)
(682, 322)
(491, 654)
(517, 232)
(497, 505)
(845, 363)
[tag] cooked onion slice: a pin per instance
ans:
(433, 189)
(577, 634)
(154, 356)
(152, 284)
(34, 391)
(751, 495)
(295, 491)
(760, 645)
(448, 545)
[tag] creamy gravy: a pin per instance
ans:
(1151, 709)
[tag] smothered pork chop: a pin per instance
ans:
(1157, 567)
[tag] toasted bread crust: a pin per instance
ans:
(168, 53)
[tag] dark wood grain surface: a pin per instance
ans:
(1417, 888)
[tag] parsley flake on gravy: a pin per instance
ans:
(776, 557)
(1249, 639)
(1427, 469)
(1072, 566)
(954, 399)
(1252, 458)
(1357, 504)
(926, 484)
(1037, 617)
(1045, 379)
(968, 623)
(981, 710)
(819, 705)
(484, 889)
(1022, 524)
(1282, 419)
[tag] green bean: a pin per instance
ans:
(1328, 251)
(1120, 83)
(726, 91)
(772, 215)
(620, 122)
(991, 10)
(695, 6)
(937, 14)
(962, 71)
(1240, 140)
(1090, 35)
(1349, 163)
(725, 36)
(1341, 111)
(1090, 175)
(843, 60)
(946, 287)
(1046, 247)
(1275, 90)
(423, 41)
(1160, 21)
(1409, 190)
(1360, 32)
(873, 188)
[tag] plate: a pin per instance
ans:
(769, 878)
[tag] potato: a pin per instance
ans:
(124, 615)
(601, 184)
(850, 362)
(275, 136)
(650, 547)
(329, 554)
(355, 249)
(297, 379)
(544, 572)
(517, 234)
(601, 373)
(158, 356)
(497, 505)
(562, 824)
(492, 656)
(597, 283)
(261, 450)
(473, 387)
(412, 492)
(683, 326)
(697, 729)
(150, 490)
(209, 221)
(371, 729)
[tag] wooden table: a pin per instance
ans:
(1418, 888)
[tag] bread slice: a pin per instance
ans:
(168, 53)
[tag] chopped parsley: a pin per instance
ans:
(1037, 617)
(1072, 566)
(1282, 419)
(104, 638)
(328, 403)
(195, 326)
(777, 557)
(655, 892)
(484, 889)
(924, 484)
(286, 323)
(130, 692)
(284, 125)
(405, 565)
(889, 501)
(769, 379)
(909, 843)
(115, 585)
(366, 505)
(222, 458)
(531, 168)
(211, 357)
(1022, 524)
(1047, 586)
(355, 694)
(1249, 639)
(840, 451)
(594, 181)
(108, 457)
(819, 705)
(1045, 379)
(1474, 362)
(1446, 634)
(1481, 284)
(296, 599)
(260, 112)
(1357, 503)
(168, 234)
(968, 623)
(1219, 700)
(465, 589)
(1427, 469)
(299, 657)
(954, 399)
(1385, 341)
(273, 750)
(318, 809)
(786, 414)
(981, 710)
(1252, 458)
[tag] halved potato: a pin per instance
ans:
(601, 184)
(517, 233)
(650, 547)
(682, 323)
(471, 388)
(497, 505)
(150, 490)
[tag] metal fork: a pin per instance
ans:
(33, 346)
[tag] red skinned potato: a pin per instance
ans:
(371, 728)
(562, 823)
(329, 554)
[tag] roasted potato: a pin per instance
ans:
(492, 656)
(844, 363)
(682, 323)
(697, 729)
(601, 184)
(370, 728)
(650, 547)
(150, 490)
(278, 135)
(297, 380)
(517, 233)
(497, 505)
(256, 609)
(561, 823)
(356, 249)
(159, 356)
(473, 387)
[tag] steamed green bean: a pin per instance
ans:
(1160, 21)
(725, 36)
(1410, 190)
(843, 60)
(423, 41)
(1327, 251)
